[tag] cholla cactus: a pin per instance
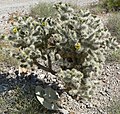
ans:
(72, 79)
(83, 45)
(76, 41)
(30, 36)
(84, 40)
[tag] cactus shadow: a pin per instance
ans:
(27, 84)
(10, 82)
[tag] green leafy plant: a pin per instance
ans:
(75, 41)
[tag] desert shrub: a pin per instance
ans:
(94, 8)
(104, 6)
(4, 55)
(113, 25)
(110, 5)
(74, 41)
(113, 56)
(43, 10)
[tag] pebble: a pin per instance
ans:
(107, 91)
(107, 74)
(118, 73)
(102, 93)
(101, 111)
(117, 67)
(89, 105)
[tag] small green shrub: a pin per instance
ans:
(43, 10)
(110, 5)
(113, 25)
(104, 6)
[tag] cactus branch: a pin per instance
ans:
(44, 68)
(49, 62)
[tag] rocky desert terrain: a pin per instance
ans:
(107, 90)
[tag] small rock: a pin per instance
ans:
(110, 99)
(117, 67)
(108, 70)
(102, 93)
(89, 105)
(118, 73)
(103, 73)
(107, 74)
(107, 91)
(101, 111)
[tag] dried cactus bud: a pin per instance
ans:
(15, 30)
(77, 46)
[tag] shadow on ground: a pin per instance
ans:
(17, 94)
